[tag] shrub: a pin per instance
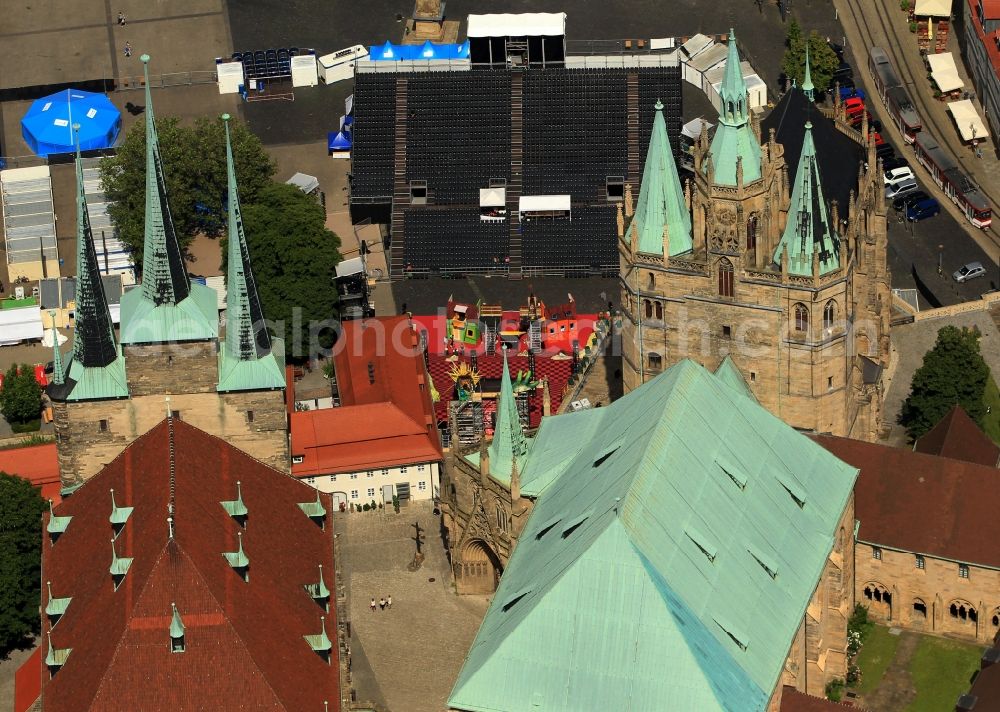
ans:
(366, 507)
(835, 690)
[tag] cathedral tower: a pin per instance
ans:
(758, 266)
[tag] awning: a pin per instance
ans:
(492, 197)
(696, 45)
(542, 203)
(944, 72)
(346, 268)
(305, 183)
(528, 24)
(968, 121)
(692, 129)
(17, 325)
(932, 8)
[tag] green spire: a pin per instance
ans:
(661, 198)
(176, 624)
(509, 444)
(246, 360)
(807, 82)
(807, 232)
(58, 375)
(168, 308)
(735, 141)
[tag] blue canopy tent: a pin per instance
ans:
(48, 125)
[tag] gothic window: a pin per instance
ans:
(829, 314)
(963, 570)
(920, 561)
(652, 281)
(920, 608)
(752, 238)
(730, 107)
(659, 310)
(726, 278)
(876, 553)
(648, 308)
(655, 360)
(501, 518)
(801, 317)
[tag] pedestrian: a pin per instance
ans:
(373, 605)
(388, 601)
(121, 19)
(128, 49)
(381, 603)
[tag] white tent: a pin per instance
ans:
(932, 8)
(944, 72)
(970, 125)
(527, 24)
(304, 182)
(17, 325)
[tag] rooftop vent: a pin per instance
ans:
(736, 474)
(547, 528)
(765, 561)
(318, 591)
(56, 657)
(575, 524)
(235, 508)
(119, 566)
(512, 601)
(702, 542)
(239, 560)
(734, 633)
(797, 495)
(119, 515)
(314, 510)
(56, 607)
(57, 525)
(320, 643)
(176, 631)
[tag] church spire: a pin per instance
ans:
(807, 83)
(246, 336)
(58, 375)
(808, 234)
(509, 444)
(734, 141)
(661, 202)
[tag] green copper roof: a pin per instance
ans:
(119, 564)
(734, 138)
(321, 642)
(509, 446)
(176, 623)
(807, 232)
(55, 606)
(167, 307)
(57, 525)
(313, 510)
(247, 359)
(661, 198)
(807, 82)
(235, 507)
(318, 591)
(237, 559)
(672, 556)
(56, 657)
(119, 515)
(728, 373)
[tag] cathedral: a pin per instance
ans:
(170, 357)
(749, 260)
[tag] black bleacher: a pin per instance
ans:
(373, 150)
(587, 243)
(663, 84)
(458, 132)
(453, 239)
(574, 131)
(268, 63)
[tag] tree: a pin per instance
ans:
(823, 61)
(953, 372)
(294, 261)
(21, 510)
(21, 396)
(194, 167)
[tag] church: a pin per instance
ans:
(170, 357)
(749, 261)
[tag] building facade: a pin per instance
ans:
(978, 41)
(422, 480)
(750, 263)
(170, 356)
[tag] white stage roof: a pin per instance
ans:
(968, 121)
(18, 325)
(528, 24)
(492, 197)
(540, 203)
(944, 71)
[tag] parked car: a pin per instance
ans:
(905, 201)
(838, 49)
(922, 209)
(969, 271)
(854, 105)
(844, 70)
(851, 92)
(900, 188)
(892, 175)
(885, 151)
(878, 138)
(895, 162)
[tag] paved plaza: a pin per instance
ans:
(405, 658)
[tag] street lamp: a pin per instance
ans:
(973, 127)
(940, 258)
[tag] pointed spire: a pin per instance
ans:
(807, 82)
(164, 276)
(176, 623)
(808, 232)
(661, 206)
(246, 336)
(734, 89)
(58, 375)
(94, 337)
(734, 137)
(509, 443)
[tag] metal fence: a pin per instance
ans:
(159, 81)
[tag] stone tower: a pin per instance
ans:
(746, 263)
(109, 395)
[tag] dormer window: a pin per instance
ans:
(55, 608)
(315, 511)
(176, 631)
(236, 508)
(57, 525)
(320, 643)
(119, 515)
(318, 591)
(238, 560)
(119, 566)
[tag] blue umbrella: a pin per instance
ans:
(48, 125)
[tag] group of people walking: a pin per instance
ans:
(383, 603)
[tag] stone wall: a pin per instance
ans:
(163, 369)
(936, 587)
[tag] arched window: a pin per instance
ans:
(752, 224)
(726, 287)
(659, 310)
(730, 106)
(919, 608)
(829, 314)
(652, 281)
(655, 360)
(501, 518)
(801, 317)
(647, 307)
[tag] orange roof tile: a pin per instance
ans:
(36, 463)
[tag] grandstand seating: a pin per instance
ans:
(268, 63)
(454, 239)
(372, 154)
(586, 243)
(458, 133)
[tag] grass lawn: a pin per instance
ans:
(941, 670)
(875, 656)
(991, 397)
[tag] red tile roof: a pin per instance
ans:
(957, 436)
(986, 688)
(28, 682)
(37, 464)
(244, 644)
(386, 417)
(991, 11)
(923, 503)
(794, 701)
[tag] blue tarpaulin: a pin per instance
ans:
(48, 125)
(428, 50)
